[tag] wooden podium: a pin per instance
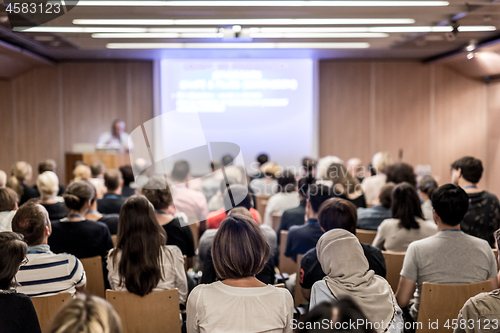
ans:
(111, 161)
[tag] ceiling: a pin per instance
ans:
(408, 46)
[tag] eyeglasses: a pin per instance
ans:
(25, 261)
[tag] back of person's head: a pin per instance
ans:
(180, 171)
(86, 314)
(342, 316)
(48, 184)
(227, 160)
(286, 182)
(308, 164)
(304, 184)
(262, 158)
(21, 172)
(127, 174)
(337, 213)
(239, 248)
(470, 168)
(30, 220)
(385, 197)
(271, 169)
(381, 160)
(3, 179)
(82, 171)
(97, 168)
(139, 238)
(8, 199)
(77, 194)
(13, 250)
(450, 202)
(343, 182)
(398, 173)
(318, 194)
(427, 185)
(47, 165)
(406, 206)
(240, 196)
(240, 211)
(112, 179)
(157, 192)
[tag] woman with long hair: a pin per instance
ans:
(346, 186)
(20, 175)
(141, 261)
(407, 223)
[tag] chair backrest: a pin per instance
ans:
(195, 230)
(276, 221)
(394, 264)
(155, 312)
(495, 253)
(114, 238)
(442, 302)
(261, 203)
(366, 236)
(297, 294)
(287, 265)
(48, 306)
(95, 276)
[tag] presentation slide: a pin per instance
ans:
(263, 106)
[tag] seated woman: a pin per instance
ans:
(349, 275)
(345, 185)
(110, 220)
(426, 186)
(407, 223)
(160, 196)
(17, 314)
(86, 313)
(141, 261)
(286, 197)
(48, 186)
(75, 234)
(21, 175)
(239, 252)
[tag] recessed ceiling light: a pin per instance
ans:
(77, 29)
(160, 35)
(262, 3)
(237, 45)
(476, 28)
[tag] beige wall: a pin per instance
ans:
(45, 111)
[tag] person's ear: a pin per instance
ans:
(48, 230)
(16, 206)
(436, 217)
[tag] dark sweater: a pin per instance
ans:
(17, 314)
(56, 210)
(483, 217)
(180, 236)
(110, 204)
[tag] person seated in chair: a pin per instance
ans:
(112, 201)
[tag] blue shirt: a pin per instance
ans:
(370, 218)
(302, 238)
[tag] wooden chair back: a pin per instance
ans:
(195, 230)
(495, 253)
(261, 204)
(366, 236)
(155, 312)
(442, 302)
(47, 307)
(297, 294)
(394, 264)
(276, 221)
(287, 265)
(95, 276)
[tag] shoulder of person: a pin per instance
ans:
(174, 249)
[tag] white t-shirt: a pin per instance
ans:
(278, 203)
(392, 237)
(218, 308)
(108, 141)
(6, 220)
(174, 275)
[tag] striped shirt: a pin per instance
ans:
(48, 273)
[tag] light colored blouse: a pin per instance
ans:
(392, 237)
(278, 203)
(217, 307)
(174, 275)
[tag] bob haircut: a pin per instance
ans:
(13, 250)
(239, 249)
(406, 206)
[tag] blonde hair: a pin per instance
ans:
(3, 178)
(381, 161)
(21, 171)
(48, 184)
(86, 314)
(82, 171)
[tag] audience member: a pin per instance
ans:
(285, 198)
(261, 160)
(483, 216)
(110, 220)
(398, 173)
(309, 167)
(97, 170)
(240, 251)
(233, 175)
(141, 261)
(48, 187)
(186, 200)
(46, 273)
(17, 313)
(48, 165)
(86, 314)
(371, 218)
(450, 256)
(345, 186)
(323, 165)
(304, 237)
(336, 213)
(82, 172)
(112, 201)
(407, 223)
(372, 185)
(129, 186)
(8, 208)
(349, 275)
(267, 185)
(211, 183)
(21, 174)
(356, 169)
(426, 186)
(75, 234)
(3, 179)
(178, 234)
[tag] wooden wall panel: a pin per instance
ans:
(7, 124)
(493, 138)
(140, 93)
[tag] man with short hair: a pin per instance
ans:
(112, 201)
(450, 256)
(46, 273)
(483, 216)
(371, 218)
(8, 208)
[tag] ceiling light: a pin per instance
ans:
(219, 22)
(318, 35)
(476, 28)
(237, 45)
(160, 35)
(77, 29)
(470, 55)
(262, 3)
(472, 45)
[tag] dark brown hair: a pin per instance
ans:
(385, 197)
(140, 239)
(12, 252)
(406, 206)
(398, 173)
(286, 182)
(77, 194)
(427, 185)
(8, 199)
(471, 168)
(337, 213)
(240, 211)
(239, 248)
(30, 220)
(157, 192)
(112, 179)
